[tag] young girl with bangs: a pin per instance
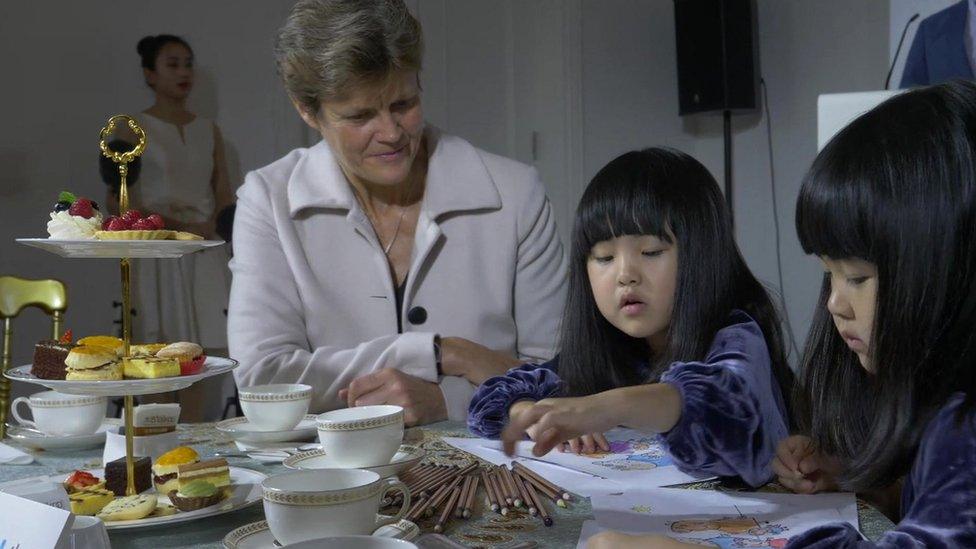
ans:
(665, 330)
(886, 391)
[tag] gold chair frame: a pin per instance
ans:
(16, 294)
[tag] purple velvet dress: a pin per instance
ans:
(938, 501)
(732, 415)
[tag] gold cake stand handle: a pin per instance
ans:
(123, 159)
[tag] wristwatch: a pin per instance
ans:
(437, 354)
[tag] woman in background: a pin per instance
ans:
(184, 180)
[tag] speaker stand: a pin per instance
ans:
(727, 133)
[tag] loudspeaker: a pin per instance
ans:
(717, 53)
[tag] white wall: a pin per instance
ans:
(67, 67)
(806, 48)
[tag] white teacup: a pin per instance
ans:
(363, 436)
(88, 533)
(275, 407)
(353, 542)
(306, 505)
(60, 414)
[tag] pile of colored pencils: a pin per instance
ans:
(450, 491)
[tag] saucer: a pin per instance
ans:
(240, 429)
(405, 458)
(39, 441)
(257, 535)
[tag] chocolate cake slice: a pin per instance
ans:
(115, 475)
(49, 358)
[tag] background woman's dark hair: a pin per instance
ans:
(897, 188)
(670, 195)
(109, 170)
(148, 48)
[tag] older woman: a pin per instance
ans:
(389, 263)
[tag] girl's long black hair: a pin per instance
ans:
(897, 188)
(670, 195)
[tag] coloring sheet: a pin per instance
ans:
(634, 459)
(728, 520)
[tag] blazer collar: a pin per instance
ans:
(457, 179)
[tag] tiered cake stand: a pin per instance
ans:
(124, 250)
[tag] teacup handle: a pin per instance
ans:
(393, 485)
(20, 420)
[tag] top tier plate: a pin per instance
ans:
(118, 249)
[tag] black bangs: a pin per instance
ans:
(833, 216)
(619, 201)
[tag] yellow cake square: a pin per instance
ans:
(150, 367)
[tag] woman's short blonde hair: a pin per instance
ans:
(328, 47)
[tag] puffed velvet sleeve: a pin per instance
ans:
(488, 412)
(939, 497)
(732, 413)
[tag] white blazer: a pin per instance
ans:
(312, 299)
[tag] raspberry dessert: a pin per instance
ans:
(74, 218)
(131, 225)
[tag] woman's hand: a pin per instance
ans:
(422, 401)
(555, 420)
(616, 540)
(804, 470)
(476, 363)
(586, 444)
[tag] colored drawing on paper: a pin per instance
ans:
(732, 532)
(633, 454)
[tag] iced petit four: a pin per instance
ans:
(166, 468)
(214, 471)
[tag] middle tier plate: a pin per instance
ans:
(213, 366)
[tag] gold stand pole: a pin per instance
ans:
(123, 159)
(130, 484)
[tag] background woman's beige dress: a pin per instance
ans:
(180, 299)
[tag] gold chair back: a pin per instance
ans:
(16, 294)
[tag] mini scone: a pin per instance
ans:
(166, 469)
(92, 363)
(86, 357)
(109, 342)
(214, 471)
(129, 508)
(150, 367)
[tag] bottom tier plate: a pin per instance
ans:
(247, 491)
